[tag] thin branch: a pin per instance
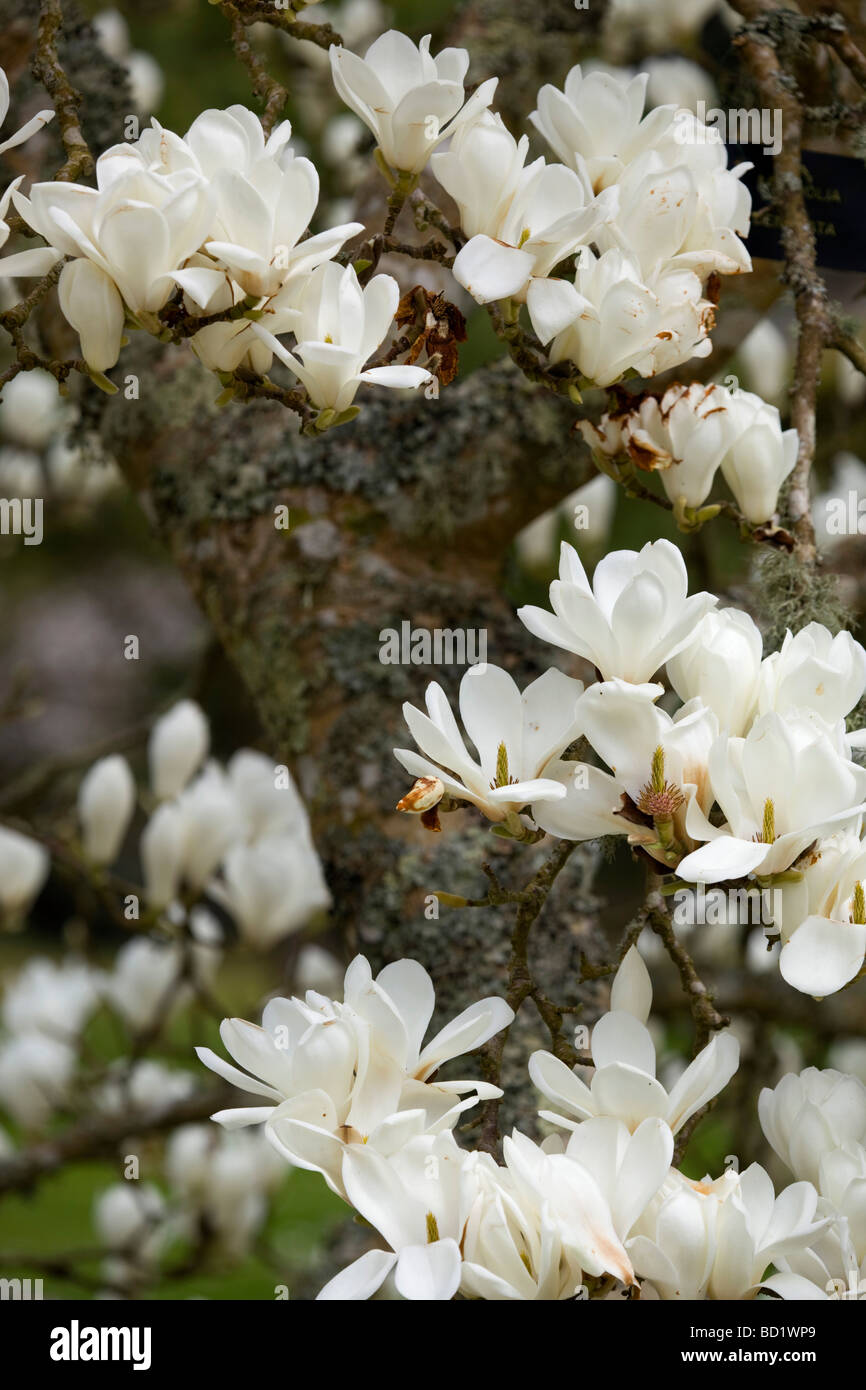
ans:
(99, 1138)
(267, 89)
(520, 982)
(48, 70)
(706, 1016)
(814, 322)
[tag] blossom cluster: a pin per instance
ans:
(218, 1186)
(752, 780)
(214, 226)
(221, 843)
(601, 1211)
(693, 432)
(237, 835)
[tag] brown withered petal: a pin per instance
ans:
(423, 795)
(647, 457)
(440, 327)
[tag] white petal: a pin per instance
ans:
(489, 270)
(361, 1279)
(429, 1272)
(822, 955)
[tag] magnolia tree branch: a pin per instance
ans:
(268, 91)
(100, 1138)
(47, 67)
(817, 329)
(521, 987)
(706, 1016)
(249, 12)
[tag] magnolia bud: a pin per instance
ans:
(106, 799)
(24, 866)
(178, 744)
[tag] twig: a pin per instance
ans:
(48, 70)
(99, 1138)
(267, 89)
(707, 1018)
(520, 982)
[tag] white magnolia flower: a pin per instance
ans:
(161, 851)
(766, 355)
(809, 1116)
(36, 1074)
(135, 232)
(624, 1084)
(779, 788)
(684, 435)
(56, 1000)
(715, 1239)
(525, 1231)
(577, 1195)
(186, 840)
(678, 204)
(761, 457)
(612, 320)
(596, 125)
(415, 1199)
(261, 211)
(267, 799)
(339, 1074)
(32, 410)
(24, 866)
(814, 670)
(272, 888)
(210, 825)
(821, 917)
(216, 141)
(721, 667)
(627, 1167)
(147, 978)
(145, 1086)
(408, 99)
(636, 616)
(338, 327)
(842, 1182)
(827, 1269)
(512, 1244)
(177, 747)
(130, 1218)
(659, 761)
(224, 1180)
(521, 221)
(515, 737)
(106, 801)
(681, 207)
